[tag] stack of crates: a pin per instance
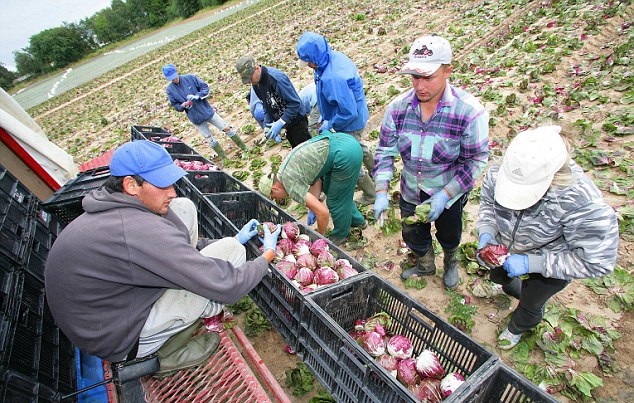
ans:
(37, 362)
(162, 137)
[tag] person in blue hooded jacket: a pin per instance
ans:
(340, 97)
(188, 93)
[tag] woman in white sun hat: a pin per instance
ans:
(553, 220)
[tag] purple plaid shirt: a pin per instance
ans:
(449, 151)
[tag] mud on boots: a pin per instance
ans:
(425, 266)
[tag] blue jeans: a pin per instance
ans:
(417, 236)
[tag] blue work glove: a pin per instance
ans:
(312, 218)
(270, 239)
(516, 265)
(438, 203)
(380, 204)
(325, 126)
(248, 231)
(485, 239)
(273, 133)
(192, 97)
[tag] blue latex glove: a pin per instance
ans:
(380, 204)
(248, 231)
(438, 203)
(273, 133)
(192, 97)
(270, 239)
(516, 265)
(312, 218)
(485, 239)
(325, 126)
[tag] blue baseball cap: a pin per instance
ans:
(148, 160)
(169, 71)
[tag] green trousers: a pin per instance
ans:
(340, 174)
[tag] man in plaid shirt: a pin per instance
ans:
(441, 133)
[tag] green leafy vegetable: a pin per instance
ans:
(256, 323)
(415, 282)
(421, 214)
(300, 379)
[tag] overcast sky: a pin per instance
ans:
(21, 19)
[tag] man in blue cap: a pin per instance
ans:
(125, 279)
(188, 93)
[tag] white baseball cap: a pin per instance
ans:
(426, 55)
(529, 165)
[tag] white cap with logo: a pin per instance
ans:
(426, 55)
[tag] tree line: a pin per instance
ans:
(56, 48)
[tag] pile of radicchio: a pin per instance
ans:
(422, 375)
(308, 264)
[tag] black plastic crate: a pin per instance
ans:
(11, 282)
(215, 182)
(67, 381)
(18, 388)
(169, 142)
(500, 383)
(16, 217)
(48, 369)
(204, 164)
(348, 372)
(25, 349)
(41, 244)
(11, 188)
(148, 132)
(65, 203)
(277, 296)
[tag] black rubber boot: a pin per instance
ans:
(450, 264)
(425, 266)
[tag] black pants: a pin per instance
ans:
(297, 131)
(448, 226)
(533, 294)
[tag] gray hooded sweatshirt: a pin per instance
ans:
(110, 265)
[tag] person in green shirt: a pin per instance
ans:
(329, 162)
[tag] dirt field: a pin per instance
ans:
(565, 61)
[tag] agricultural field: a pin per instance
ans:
(530, 62)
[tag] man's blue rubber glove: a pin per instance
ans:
(248, 231)
(192, 97)
(325, 126)
(380, 204)
(270, 239)
(312, 218)
(485, 239)
(273, 133)
(437, 203)
(516, 265)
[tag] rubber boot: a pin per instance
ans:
(195, 352)
(368, 162)
(425, 266)
(450, 265)
(220, 151)
(178, 340)
(366, 185)
(236, 139)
